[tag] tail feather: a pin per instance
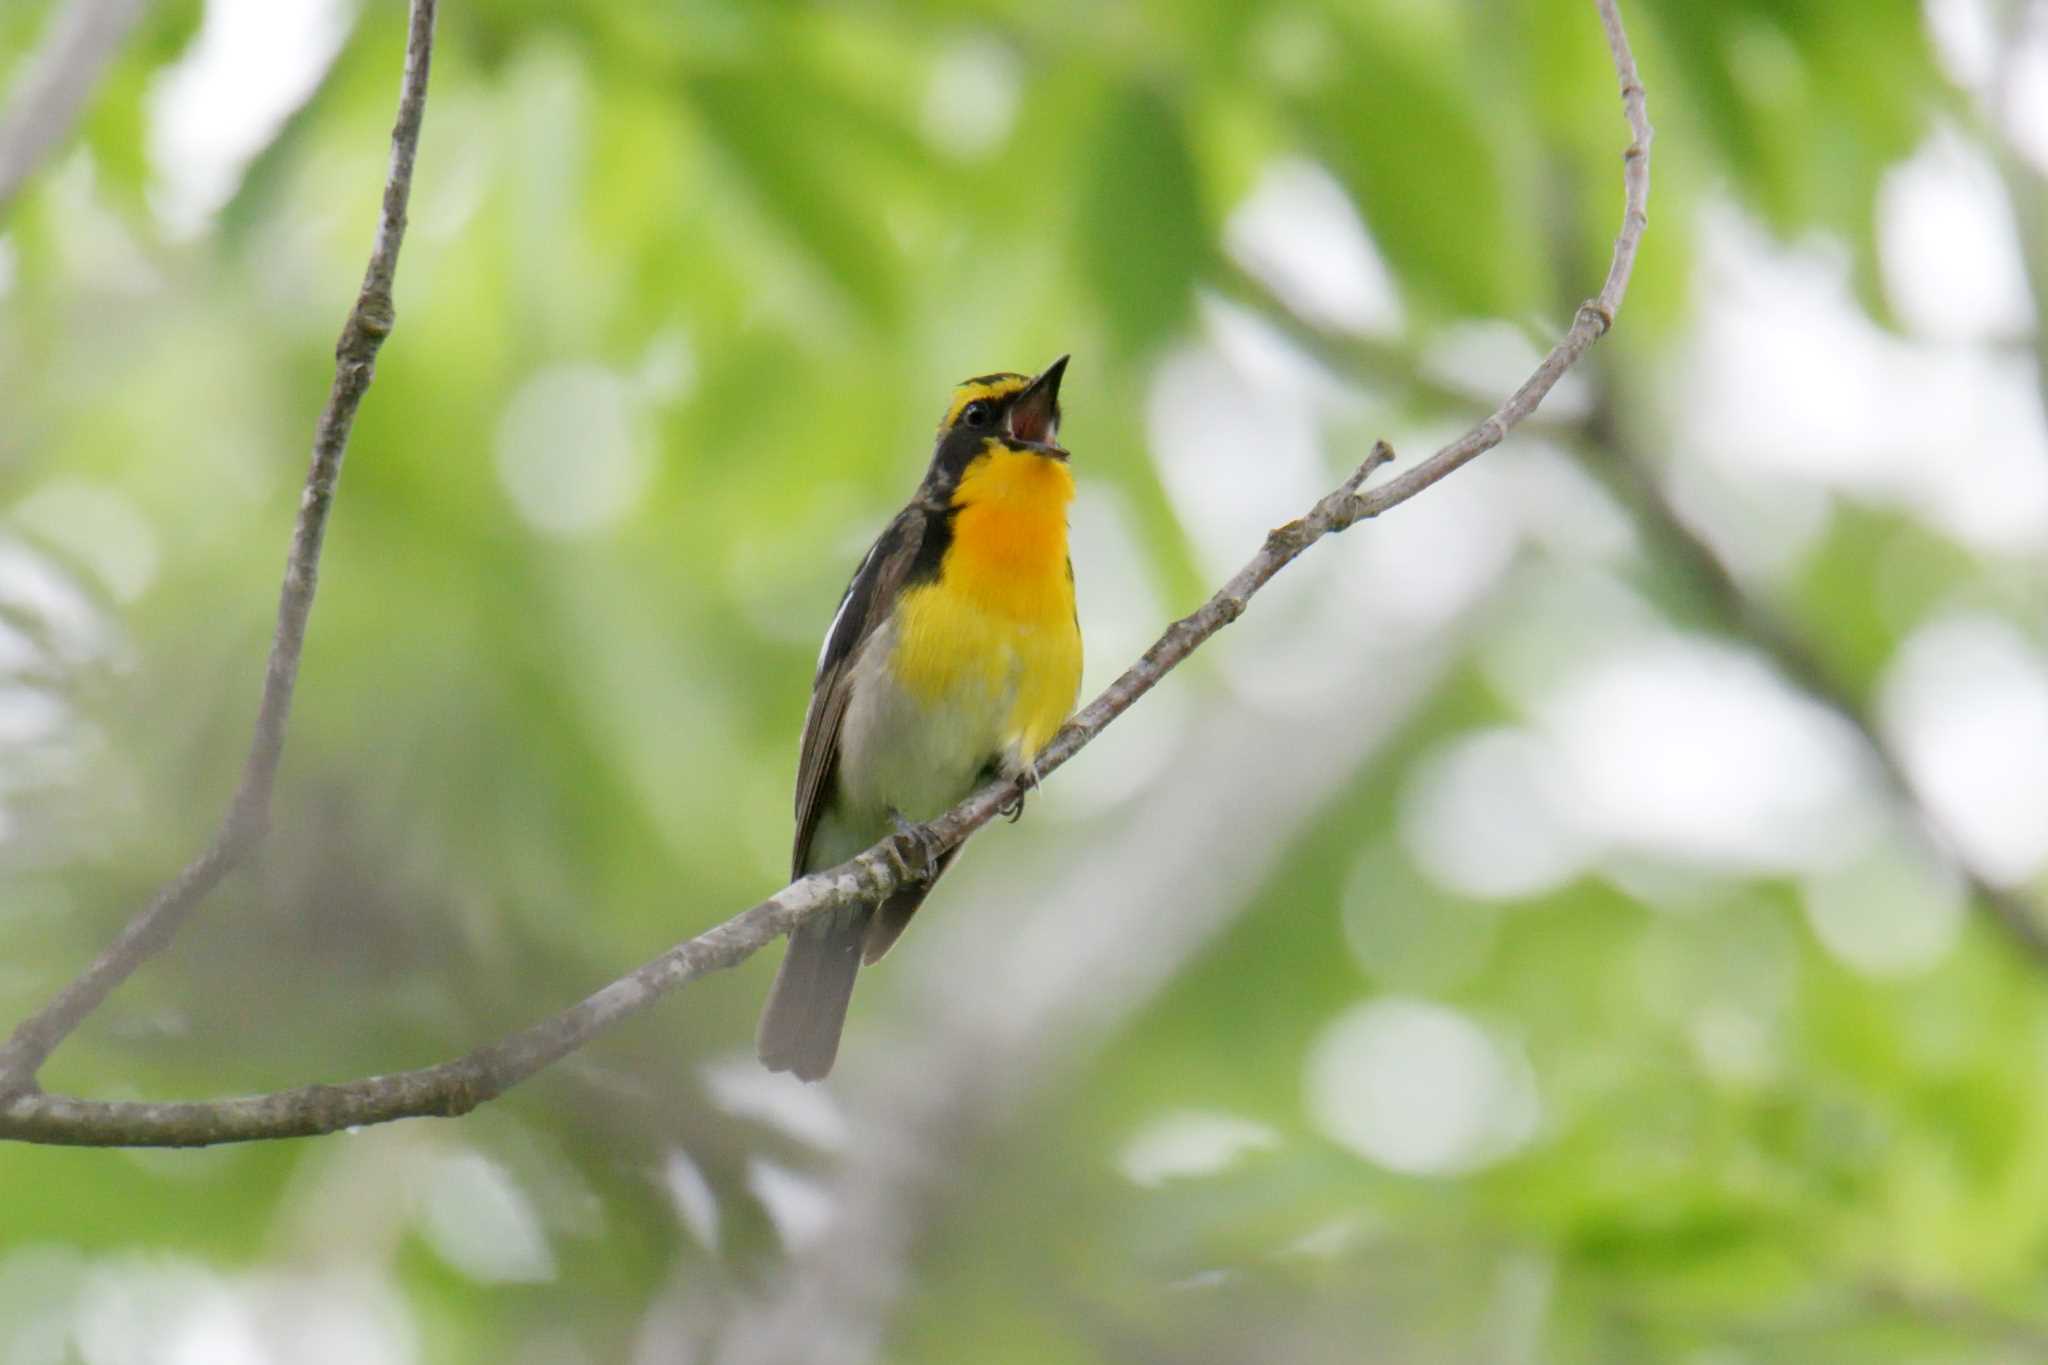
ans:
(806, 1007)
(893, 916)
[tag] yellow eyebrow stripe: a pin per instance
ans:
(998, 387)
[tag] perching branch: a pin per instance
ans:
(248, 815)
(53, 88)
(1082, 956)
(457, 1086)
(1743, 614)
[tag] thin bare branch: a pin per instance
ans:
(1738, 610)
(1595, 316)
(246, 820)
(81, 39)
(1081, 957)
(1387, 364)
(453, 1087)
(457, 1086)
(948, 1093)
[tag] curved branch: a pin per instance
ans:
(457, 1086)
(944, 1098)
(1082, 957)
(54, 87)
(245, 823)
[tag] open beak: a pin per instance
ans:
(1035, 414)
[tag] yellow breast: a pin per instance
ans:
(996, 629)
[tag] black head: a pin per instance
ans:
(1021, 411)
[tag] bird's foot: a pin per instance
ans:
(918, 847)
(1027, 781)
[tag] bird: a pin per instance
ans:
(954, 656)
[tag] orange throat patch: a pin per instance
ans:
(1009, 550)
(995, 637)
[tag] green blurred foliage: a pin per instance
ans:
(529, 753)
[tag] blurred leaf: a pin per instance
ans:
(1429, 179)
(806, 154)
(1142, 239)
(114, 124)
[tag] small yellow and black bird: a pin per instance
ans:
(954, 656)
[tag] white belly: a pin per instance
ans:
(915, 758)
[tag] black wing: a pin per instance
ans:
(867, 602)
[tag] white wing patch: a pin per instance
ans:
(825, 646)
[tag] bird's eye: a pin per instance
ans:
(977, 414)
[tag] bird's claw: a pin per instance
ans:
(917, 847)
(1027, 781)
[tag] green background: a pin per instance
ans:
(686, 287)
